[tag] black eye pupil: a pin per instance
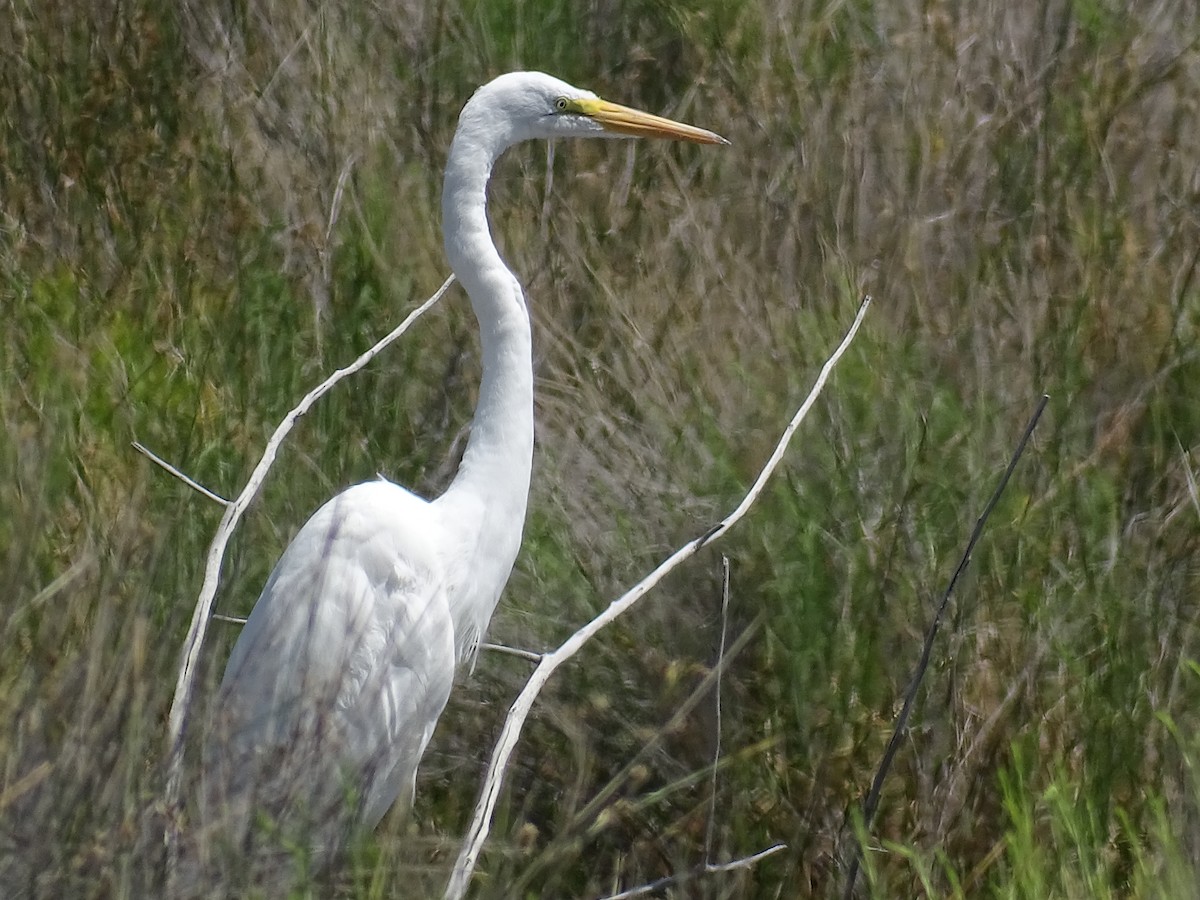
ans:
(561, 103)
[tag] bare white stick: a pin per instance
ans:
(744, 863)
(185, 685)
(194, 485)
(511, 651)
(481, 823)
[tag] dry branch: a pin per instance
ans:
(481, 823)
(190, 482)
(185, 686)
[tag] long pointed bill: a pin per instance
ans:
(635, 123)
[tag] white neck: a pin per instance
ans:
(484, 507)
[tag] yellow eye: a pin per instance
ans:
(561, 104)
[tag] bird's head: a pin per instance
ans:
(524, 106)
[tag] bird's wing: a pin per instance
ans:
(344, 665)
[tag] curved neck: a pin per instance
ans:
(485, 503)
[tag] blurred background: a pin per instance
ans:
(205, 207)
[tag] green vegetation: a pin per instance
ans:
(1015, 183)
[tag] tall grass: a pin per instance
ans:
(1016, 185)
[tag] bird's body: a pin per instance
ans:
(332, 687)
(338, 678)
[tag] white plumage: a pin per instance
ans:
(339, 676)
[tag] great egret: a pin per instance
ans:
(339, 675)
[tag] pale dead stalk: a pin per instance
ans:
(707, 869)
(481, 822)
(185, 685)
(190, 482)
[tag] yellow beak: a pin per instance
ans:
(636, 123)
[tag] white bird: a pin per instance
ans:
(346, 662)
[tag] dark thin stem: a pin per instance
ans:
(712, 800)
(910, 695)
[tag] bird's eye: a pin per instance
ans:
(561, 104)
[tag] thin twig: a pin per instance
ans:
(185, 686)
(589, 816)
(910, 694)
(512, 651)
(707, 869)
(591, 811)
(235, 620)
(194, 485)
(335, 208)
(515, 721)
(1193, 490)
(712, 799)
(63, 581)
(746, 861)
(287, 57)
(335, 205)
